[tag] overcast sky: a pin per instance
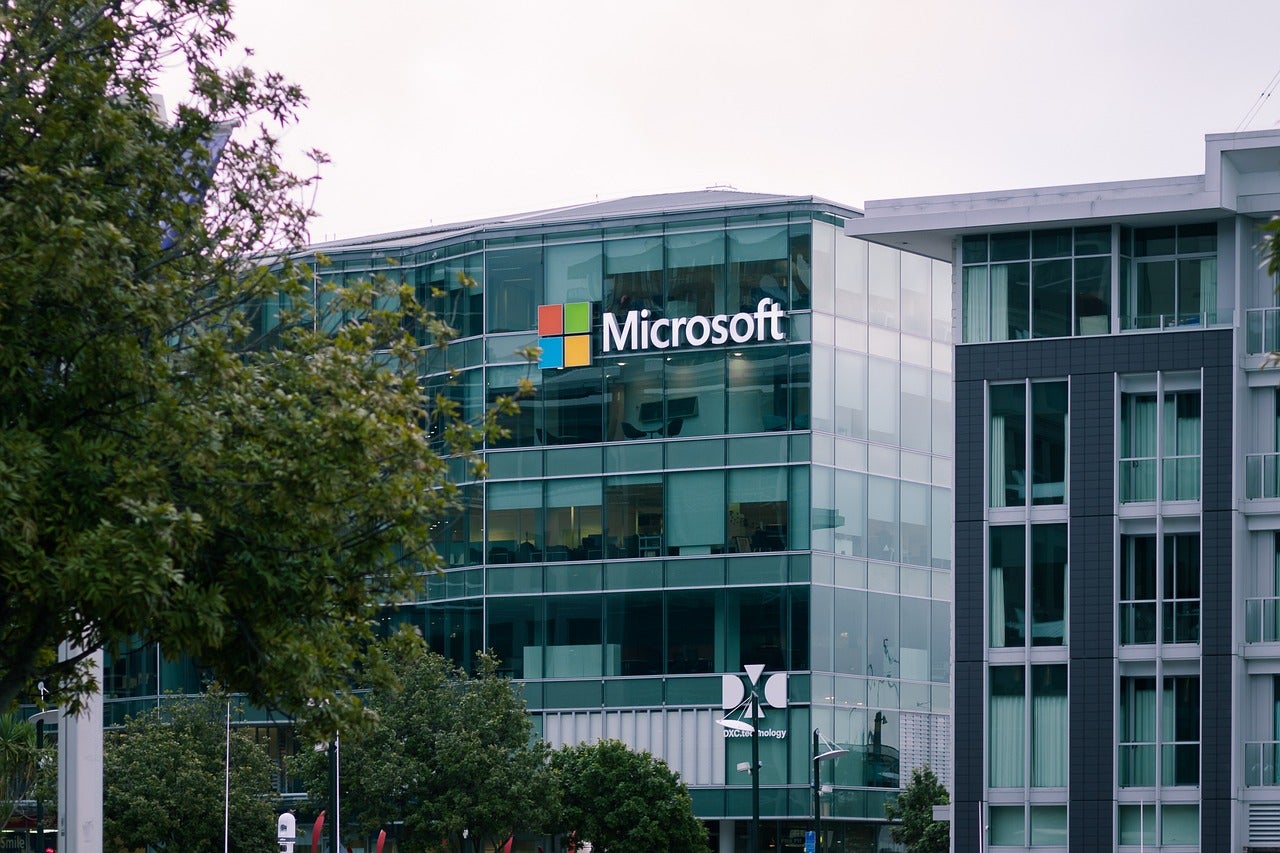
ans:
(441, 111)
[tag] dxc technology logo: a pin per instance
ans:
(564, 334)
(733, 695)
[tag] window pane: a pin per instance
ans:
(1049, 747)
(1008, 587)
(757, 509)
(633, 275)
(1181, 611)
(1048, 584)
(1006, 826)
(634, 399)
(692, 616)
(1008, 446)
(575, 634)
(757, 392)
(574, 524)
(1093, 296)
(1010, 301)
(695, 514)
(1049, 442)
(1048, 826)
(516, 631)
(695, 274)
(1006, 741)
(1180, 825)
(515, 288)
(574, 273)
(572, 406)
(1051, 298)
(976, 317)
(1136, 825)
(1137, 764)
(757, 266)
(634, 513)
(696, 392)
(515, 516)
(1137, 589)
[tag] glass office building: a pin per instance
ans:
(1117, 658)
(738, 453)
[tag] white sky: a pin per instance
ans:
(442, 110)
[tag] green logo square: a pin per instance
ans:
(577, 318)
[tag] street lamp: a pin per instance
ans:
(821, 754)
(752, 701)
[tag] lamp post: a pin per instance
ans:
(832, 752)
(753, 842)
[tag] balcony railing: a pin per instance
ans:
(1262, 330)
(1261, 762)
(1166, 321)
(1262, 475)
(1262, 620)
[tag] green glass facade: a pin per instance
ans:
(661, 517)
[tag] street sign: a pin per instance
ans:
(810, 842)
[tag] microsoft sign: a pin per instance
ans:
(563, 331)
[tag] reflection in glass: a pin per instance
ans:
(758, 390)
(696, 390)
(633, 275)
(695, 274)
(758, 267)
(572, 406)
(574, 273)
(757, 510)
(1007, 584)
(514, 288)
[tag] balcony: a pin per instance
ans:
(1262, 331)
(1262, 764)
(1262, 620)
(1262, 475)
(1148, 322)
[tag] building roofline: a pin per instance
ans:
(1242, 175)
(658, 206)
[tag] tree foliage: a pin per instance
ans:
(913, 809)
(1271, 245)
(164, 782)
(19, 762)
(624, 801)
(448, 753)
(170, 471)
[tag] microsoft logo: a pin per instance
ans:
(564, 335)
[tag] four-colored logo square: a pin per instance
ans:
(564, 335)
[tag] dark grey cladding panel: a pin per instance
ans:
(968, 759)
(970, 452)
(970, 596)
(1092, 364)
(1129, 353)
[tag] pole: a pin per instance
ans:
(226, 789)
(754, 845)
(817, 796)
(40, 846)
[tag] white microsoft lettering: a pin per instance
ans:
(638, 332)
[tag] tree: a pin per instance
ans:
(1271, 245)
(19, 762)
(918, 831)
(164, 782)
(448, 753)
(624, 801)
(199, 444)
